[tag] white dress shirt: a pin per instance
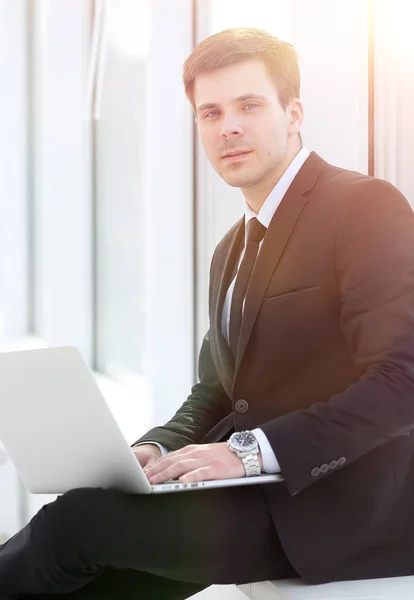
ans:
(265, 215)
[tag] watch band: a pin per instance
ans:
(251, 464)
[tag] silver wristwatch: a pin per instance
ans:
(244, 444)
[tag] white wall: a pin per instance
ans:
(13, 170)
(394, 94)
(332, 41)
(169, 210)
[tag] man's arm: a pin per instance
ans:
(162, 448)
(375, 270)
(269, 459)
(207, 404)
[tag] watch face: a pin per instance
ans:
(243, 441)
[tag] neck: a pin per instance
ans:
(256, 195)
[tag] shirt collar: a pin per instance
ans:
(275, 197)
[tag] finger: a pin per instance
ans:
(163, 463)
(174, 471)
(201, 474)
(171, 472)
(156, 467)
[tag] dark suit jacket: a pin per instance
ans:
(325, 366)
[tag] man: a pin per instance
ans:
(315, 357)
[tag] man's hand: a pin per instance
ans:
(147, 454)
(197, 463)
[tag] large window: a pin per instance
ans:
(14, 316)
(143, 204)
(13, 171)
(394, 93)
(121, 105)
(96, 191)
(60, 190)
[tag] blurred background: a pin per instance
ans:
(109, 211)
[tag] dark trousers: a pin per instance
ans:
(95, 543)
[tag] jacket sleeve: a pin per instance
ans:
(374, 257)
(207, 404)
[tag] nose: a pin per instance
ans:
(231, 127)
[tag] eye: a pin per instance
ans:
(211, 114)
(251, 106)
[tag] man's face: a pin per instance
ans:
(239, 113)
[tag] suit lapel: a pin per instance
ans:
(222, 356)
(275, 240)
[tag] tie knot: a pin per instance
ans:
(255, 230)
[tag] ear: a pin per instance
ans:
(295, 116)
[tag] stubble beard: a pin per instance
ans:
(236, 176)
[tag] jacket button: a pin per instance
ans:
(333, 464)
(324, 468)
(341, 461)
(241, 406)
(315, 472)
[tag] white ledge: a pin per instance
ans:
(392, 588)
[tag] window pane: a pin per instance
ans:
(61, 156)
(13, 232)
(144, 220)
(121, 341)
(273, 15)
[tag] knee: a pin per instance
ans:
(77, 511)
(79, 498)
(65, 526)
(83, 503)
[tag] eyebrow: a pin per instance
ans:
(243, 98)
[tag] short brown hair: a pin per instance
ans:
(233, 46)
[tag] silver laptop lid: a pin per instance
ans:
(58, 429)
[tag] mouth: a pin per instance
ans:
(235, 156)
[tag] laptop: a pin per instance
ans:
(60, 433)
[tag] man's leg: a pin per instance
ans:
(128, 585)
(223, 535)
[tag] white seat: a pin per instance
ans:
(393, 588)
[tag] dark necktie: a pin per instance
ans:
(255, 234)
